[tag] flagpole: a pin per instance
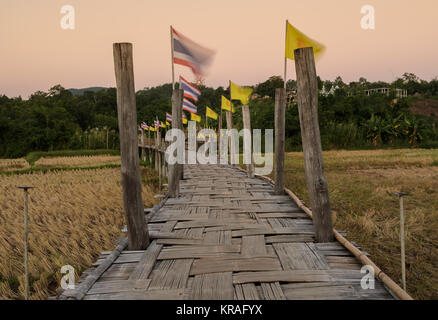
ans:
(285, 59)
(173, 67)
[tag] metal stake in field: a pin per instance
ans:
(26, 239)
(402, 237)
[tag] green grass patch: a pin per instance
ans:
(51, 169)
(32, 157)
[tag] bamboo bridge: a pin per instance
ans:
(222, 233)
(228, 237)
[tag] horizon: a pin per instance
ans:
(170, 83)
(39, 54)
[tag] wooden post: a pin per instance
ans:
(307, 96)
(402, 237)
(229, 118)
(280, 136)
(159, 159)
(174, 169)
(143, 147)
(402, 243)
(219, 135)
(138, 237)
(181, 127)
(156, 148)
(163, 157)
(247, 139)
(149, 147)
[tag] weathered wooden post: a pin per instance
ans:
(181, 127)
(158, 144)
(229, 119)
(402, 237)
(175, 169)
(280, 136)
(247, 139)
(143, 147)
(163, 163)
(157, 130)
(307, 96)
(219, 136)
(138, 237)
(149, 147)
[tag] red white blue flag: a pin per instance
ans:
(168, 117)
(157, 123)
(190, 54)
(190, 91)
(188, 106)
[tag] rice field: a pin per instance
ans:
(7, 165)
(79, 161)
(73, 216)
(361, 184)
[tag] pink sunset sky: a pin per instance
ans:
(248, 36)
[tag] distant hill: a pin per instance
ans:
(79, 92)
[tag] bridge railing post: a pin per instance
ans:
(307, 96)
(280, 123)
(230, 141)
(138, 237)
(149, 148)
(175, 170)
(247, 140)
(143, 147)
(159, 168)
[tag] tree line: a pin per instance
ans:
(59, 120)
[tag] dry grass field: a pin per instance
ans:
(360, 186)
(74, 215)
(7, 165)
(79, 161)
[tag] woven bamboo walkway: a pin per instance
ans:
(228, 237)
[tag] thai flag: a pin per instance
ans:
(188, 106)
(157, 123)
(190, 91)
(190, 54)
(144, 125)
(168, 117)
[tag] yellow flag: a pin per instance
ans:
(211, 114)
(184, 120)
(240, 93)
(195, 117)
(167, 123)
(226, 104)
(295, 39)
(162, 125)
